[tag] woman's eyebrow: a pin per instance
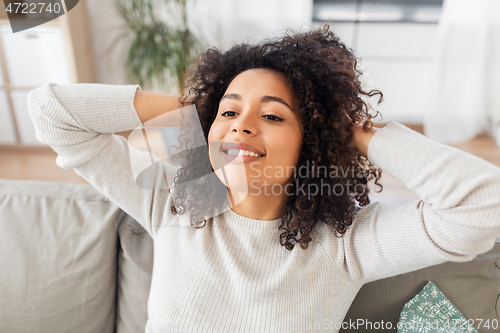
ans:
(264, 99)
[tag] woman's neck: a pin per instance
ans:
(259, 207)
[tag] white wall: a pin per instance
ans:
(395, 58)
(105, 25)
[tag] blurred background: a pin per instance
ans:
(436, 61)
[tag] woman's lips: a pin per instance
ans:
(228, 146)
(239, 158)
(239, 152)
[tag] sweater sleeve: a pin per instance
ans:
(456, 218)
(79, 121)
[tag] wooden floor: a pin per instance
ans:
(40, 164)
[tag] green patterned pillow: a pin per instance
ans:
(431, 312)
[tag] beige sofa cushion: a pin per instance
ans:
(135, 266)
(58, 250)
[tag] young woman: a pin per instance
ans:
(291, 104)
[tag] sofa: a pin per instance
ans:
(73, 261)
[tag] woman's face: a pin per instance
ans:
(257, 135)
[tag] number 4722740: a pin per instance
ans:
(32, 8)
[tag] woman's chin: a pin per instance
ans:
(234, 181)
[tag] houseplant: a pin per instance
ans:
(161, 46)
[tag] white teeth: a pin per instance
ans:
(241, 152)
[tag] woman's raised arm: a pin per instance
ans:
(79, 121)
(151, 104)
(456, 218)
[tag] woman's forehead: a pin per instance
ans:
(258, 82)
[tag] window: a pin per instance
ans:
(415, 11)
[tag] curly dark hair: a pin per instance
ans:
(323, 73)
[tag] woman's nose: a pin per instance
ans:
(244, 124)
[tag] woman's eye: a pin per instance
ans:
(274, 118)
(233, 113)
(225, 113)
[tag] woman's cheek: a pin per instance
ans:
(216, 131)
(211, 133)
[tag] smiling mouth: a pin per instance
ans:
(241, 152)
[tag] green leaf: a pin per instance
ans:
(157, 50)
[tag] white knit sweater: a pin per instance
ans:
(233, 275)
